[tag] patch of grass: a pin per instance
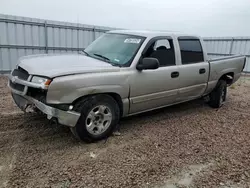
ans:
(66, 184)
(232, 86)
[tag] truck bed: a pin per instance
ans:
(231, 64)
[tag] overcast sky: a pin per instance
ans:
(202, 17)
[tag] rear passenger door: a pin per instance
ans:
(193, 71)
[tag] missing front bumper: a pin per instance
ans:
(68, 118)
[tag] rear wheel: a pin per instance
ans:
(99, 116)
(218, 95)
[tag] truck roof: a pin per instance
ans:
(151, 33)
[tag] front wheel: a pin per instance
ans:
(218, 95)
(99, 116)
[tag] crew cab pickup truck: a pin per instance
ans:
(121, 73)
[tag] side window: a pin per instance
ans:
(191, 51)
(163, 43)
(163, 50)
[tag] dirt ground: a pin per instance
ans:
(187, 145)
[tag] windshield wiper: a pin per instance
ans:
(103, 57)
(107, 60)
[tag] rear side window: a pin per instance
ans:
(191, 51)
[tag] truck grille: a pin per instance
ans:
(17, 87)
(20, 73)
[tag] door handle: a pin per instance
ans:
(202, 71)
(174, 74)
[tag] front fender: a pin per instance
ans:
(55, 98)
(65, 90)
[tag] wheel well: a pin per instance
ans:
(118, 99)
(228, 77)
(115, 96)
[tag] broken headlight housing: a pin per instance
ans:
(41, 80)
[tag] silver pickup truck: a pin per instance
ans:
(121, 73)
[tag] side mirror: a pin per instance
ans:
(148, 63)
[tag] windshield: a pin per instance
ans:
(117, 49)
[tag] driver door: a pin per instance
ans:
(151, 89)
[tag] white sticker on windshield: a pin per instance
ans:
(131, 40)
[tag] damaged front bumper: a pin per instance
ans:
(68, 118)
(24, 102)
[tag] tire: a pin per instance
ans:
(218, 95)
(94, 110)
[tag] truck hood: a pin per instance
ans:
(59, 65)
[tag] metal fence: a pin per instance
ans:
(226, 46)
(20, 36)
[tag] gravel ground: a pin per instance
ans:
(187, 145)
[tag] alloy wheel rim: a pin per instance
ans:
(98, 119)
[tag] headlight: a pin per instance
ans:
(41, 80)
